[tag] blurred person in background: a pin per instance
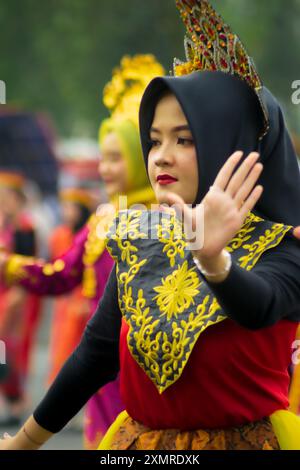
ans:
(122, 170)
(70, 311)
(19, 310)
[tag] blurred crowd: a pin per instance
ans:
(39, 217)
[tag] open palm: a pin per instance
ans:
(227, 203)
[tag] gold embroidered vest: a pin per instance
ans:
(162, 296)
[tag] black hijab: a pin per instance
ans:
(224, 115)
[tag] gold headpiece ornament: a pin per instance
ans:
(211, 45)
(122, 95)
(77, 195)
(12, 180)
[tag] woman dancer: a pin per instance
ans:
(210, 325)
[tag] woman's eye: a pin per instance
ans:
(115, 159)
(184, 141)
(154, 143)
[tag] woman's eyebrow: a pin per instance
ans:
(174, 129)
(181, 128)
(153, 129)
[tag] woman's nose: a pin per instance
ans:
(102, 168)
(164, 156)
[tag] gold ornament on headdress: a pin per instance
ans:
(211, 45)
(122, 95)
(77, 195)
(12, 180)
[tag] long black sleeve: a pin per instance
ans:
(269, 292)
(94, 363)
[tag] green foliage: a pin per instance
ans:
(57, 55)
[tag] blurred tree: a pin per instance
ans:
(57, 55)
(270, 30)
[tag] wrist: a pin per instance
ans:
(216, 268)
(21, 442)
(30, 437)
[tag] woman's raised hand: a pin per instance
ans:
(225, 206)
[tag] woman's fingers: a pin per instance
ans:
(239, 185)
(173, 199)
(184, 213)
(251, 201)
(248, 185)
(179, 205)
(241, 174)
(227, 170)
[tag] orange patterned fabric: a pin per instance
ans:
(253, 436)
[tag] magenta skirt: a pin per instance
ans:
(100, 412)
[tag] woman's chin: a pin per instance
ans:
(112, 190)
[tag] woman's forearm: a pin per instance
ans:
(30, 437)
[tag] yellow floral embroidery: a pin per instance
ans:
(164, 328)
(177, 291)
(268, 240)
(93, 249)
(146, 344)
(182, 342)
(128, 229)
(170, 233)
(244, 233)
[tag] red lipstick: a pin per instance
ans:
(166, 179)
